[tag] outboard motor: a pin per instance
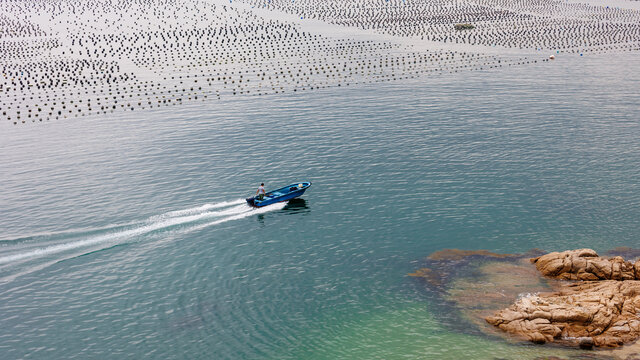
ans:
(251, 201)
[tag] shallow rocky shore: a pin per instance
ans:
(573, 298)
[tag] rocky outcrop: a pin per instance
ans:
(602, 310)
(602, 313)
(585, 264)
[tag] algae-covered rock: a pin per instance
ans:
(457, 254)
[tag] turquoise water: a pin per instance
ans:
(125, 234)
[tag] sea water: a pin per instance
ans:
(126, 234)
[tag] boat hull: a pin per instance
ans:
(283, 194)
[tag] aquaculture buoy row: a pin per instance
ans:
(95, 57)
(544, 24)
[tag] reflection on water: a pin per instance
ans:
(296, 206)
(293, 206)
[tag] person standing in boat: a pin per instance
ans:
(260, 193)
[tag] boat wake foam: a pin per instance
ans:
(198, 217)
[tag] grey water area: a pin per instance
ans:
(126, 234)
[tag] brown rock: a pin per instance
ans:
(603, 311)
(585, 264)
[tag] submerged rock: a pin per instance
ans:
(457, 254)
(474, 284)
(491, 286)
(444, 266)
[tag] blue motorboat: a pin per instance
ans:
(283, 194)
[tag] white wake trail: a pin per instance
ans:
(167, 220)
(262, 210)
(200, 209)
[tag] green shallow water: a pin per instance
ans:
(126, 234)
(411, 332)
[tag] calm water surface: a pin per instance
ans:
(126, 234)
